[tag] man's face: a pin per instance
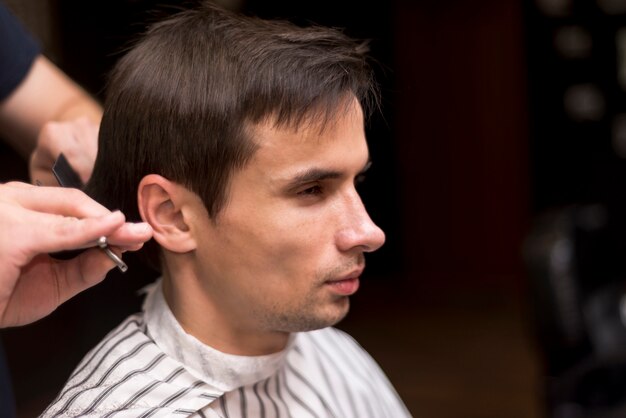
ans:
(286, 250)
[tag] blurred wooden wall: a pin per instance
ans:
(461, 140)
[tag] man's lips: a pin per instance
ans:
(347, 284)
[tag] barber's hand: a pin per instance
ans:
(76, 139)
(35, 221)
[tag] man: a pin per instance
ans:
(240, 142)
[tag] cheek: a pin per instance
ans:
(272, 245)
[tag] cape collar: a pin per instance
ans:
(222, 371)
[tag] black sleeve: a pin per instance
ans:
(17, 52)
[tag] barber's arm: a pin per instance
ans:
(36, 221)
(48, 114)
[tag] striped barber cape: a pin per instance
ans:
(149, 367)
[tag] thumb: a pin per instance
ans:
(81, 273)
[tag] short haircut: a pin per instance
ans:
(180, 102)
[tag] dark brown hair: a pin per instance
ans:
(179, 102)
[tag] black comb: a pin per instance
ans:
(65, 174)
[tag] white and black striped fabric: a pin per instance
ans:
(149, 367)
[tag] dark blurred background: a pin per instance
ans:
(498, 176)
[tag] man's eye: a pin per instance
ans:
(311, 191)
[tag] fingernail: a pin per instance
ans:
(114, 214)
(140, 228)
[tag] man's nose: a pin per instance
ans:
(358, 231)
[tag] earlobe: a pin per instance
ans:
(161, 204)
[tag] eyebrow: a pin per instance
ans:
(313, 175)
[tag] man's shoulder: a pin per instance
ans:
(128, 372)
(332, 343)
(331, 336)
(335, 363)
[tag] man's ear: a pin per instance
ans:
(163, 204)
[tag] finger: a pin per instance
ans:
(133, 248)
(130, 236)
(16, 185)
(81, 152)
(50, 233)
(76, 139)
(68, 137)
(42, 177)
(45, 153)
(50, 138)
(32, 224)
(82, 272)
(57, 200)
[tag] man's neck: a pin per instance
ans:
(200, 316)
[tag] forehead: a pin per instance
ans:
(338, 134)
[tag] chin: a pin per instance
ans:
(303, 323)
(340, 313)
(328, 319)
